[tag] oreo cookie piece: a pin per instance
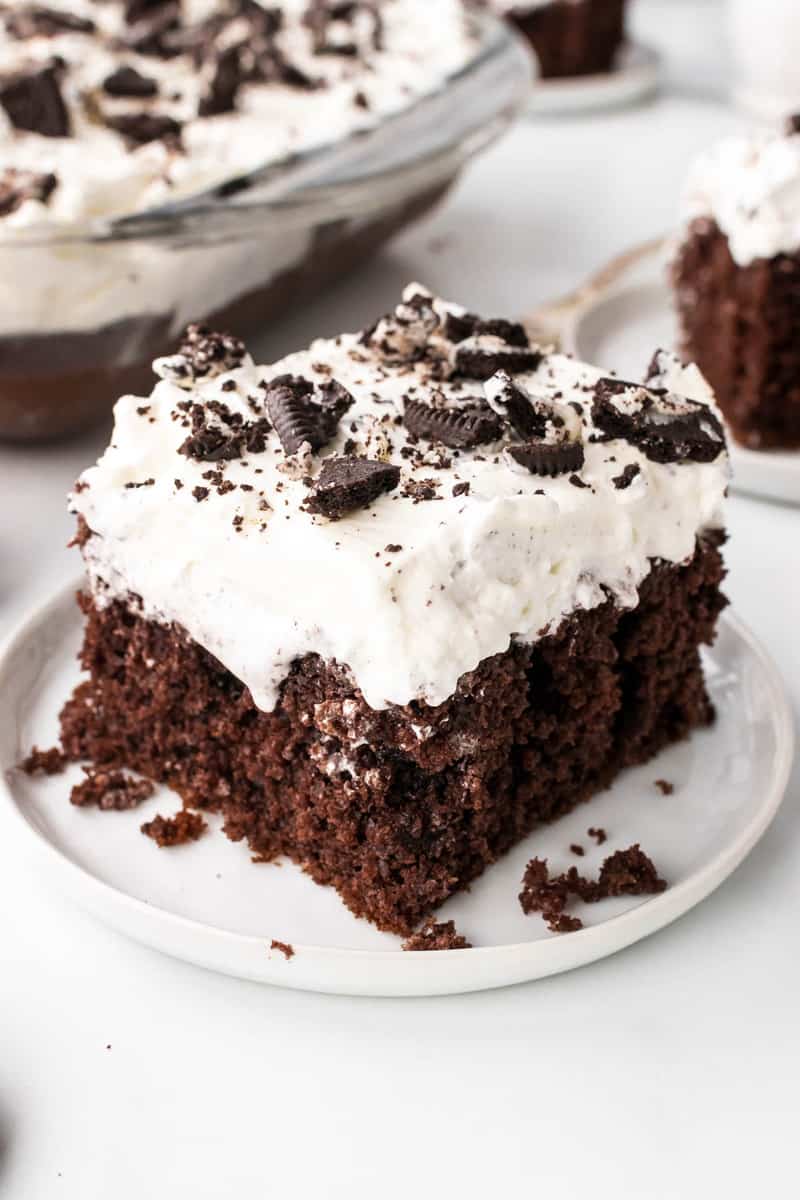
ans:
(626, 477)
(543, 458)
(484, 356)
(793, 124)
(219, 435)
(225, 83)
(32, 101)
(136, 10)
(202, 354)
(303, 412)
(17, 186)
(35, 20)
(667, 428)
(127, 81)
(152, 23)
(516, 407)
(139, 128)
(471, 424)
(348, 483)
(403, 336)
(323, 16)
(460, 326)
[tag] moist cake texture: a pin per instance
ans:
(392, 601)
(569, 37)
(736, 274)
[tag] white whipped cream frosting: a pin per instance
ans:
(99, 176)
(750, 186)
(259, 582)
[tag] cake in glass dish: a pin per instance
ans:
(215, 159)
(391, 602)
(569, 37)
(736, 275)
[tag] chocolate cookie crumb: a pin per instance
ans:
(543, 458)
(623, 481)
(286, 948)
(434, 935)
(185, 826)
(44, 762)
(577, 850)
(665, 787)
(599, 835)
(33, 102)
(345, 484)
(127, 81)
(110, 791)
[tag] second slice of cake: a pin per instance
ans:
(391, 602)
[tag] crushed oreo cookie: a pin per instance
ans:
(154, 28)
(627, 476)
(17, 186)
(219, 435)
(35, 20)
(345, 484)
(203, 354)
(127, 81)
(139, 128)
(472, 423)
(228, 76)
(550, 460)
(667, 428)
(403, 336)
(793, 124)
(33, 102)
(325, 17)
(517, 408)
(480, 358)
(458, 327)
(304, 412)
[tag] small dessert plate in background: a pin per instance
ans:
(636, 75)
(624, 313)
(208, 904)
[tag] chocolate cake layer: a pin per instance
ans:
(741, 325)
(571, 38)
(399, 808)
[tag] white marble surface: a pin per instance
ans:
(665, 1073)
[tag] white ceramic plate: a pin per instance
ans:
(206, 903)
(636, 75)
(620, 323)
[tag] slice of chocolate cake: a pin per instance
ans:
(736, 276)
(569, 37)
(389, 603)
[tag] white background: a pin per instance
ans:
(668, 1071)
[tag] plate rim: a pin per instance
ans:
(638, 66)
(666, 907)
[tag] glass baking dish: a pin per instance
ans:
(84, 311)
